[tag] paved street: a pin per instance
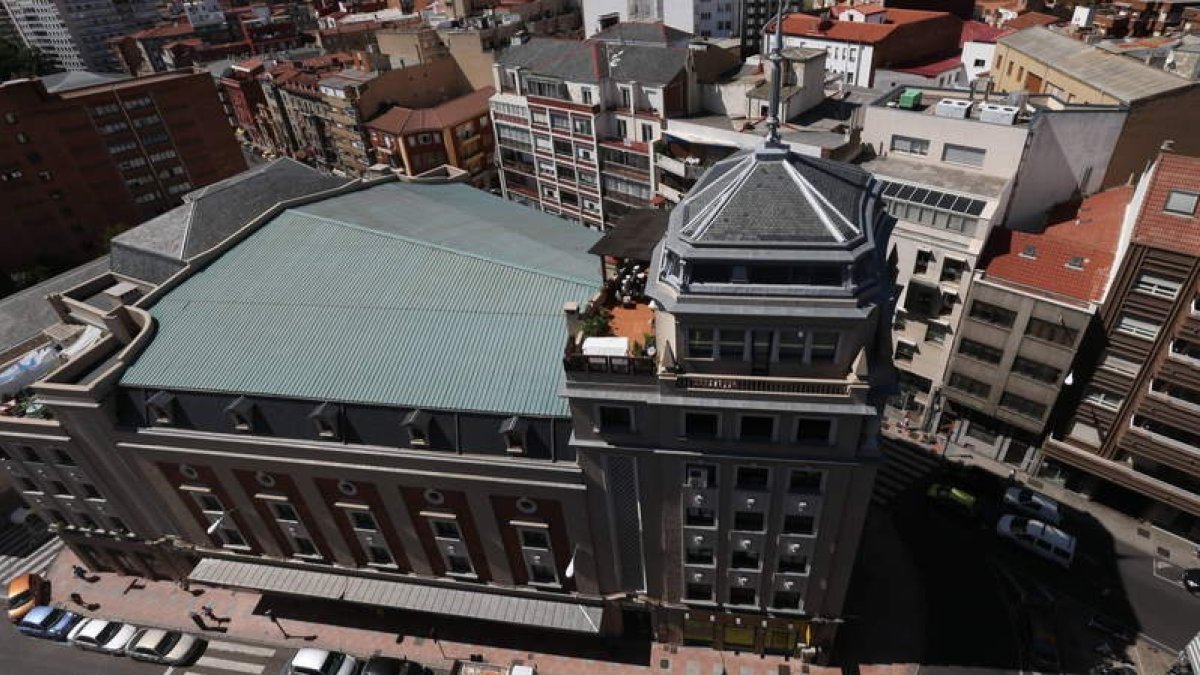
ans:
(28, 656)
(972, 594)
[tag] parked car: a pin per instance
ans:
(320, 662)
(24, 593)
(1038, 538)
(1033, 504)
(168, 647)
(387, 665)
(98, 635)
(48, 623)
(952, 498)
(1191, 580)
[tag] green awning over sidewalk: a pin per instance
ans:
(564, 615)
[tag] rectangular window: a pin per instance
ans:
(700, 592)
(798, 524)
(824, 347)
(905, 350)
(63, 458)
(1120, 365)
(696, 516)
(743, 596)
(284, 512)
(791, 346)
(90, 491)
(445, 529)
(59, 489)
(731, 344)
(962, 154)
(363, 520)
(1103, 398)
(744, 560)
(1162, 287)
(924, 259)
(700, 343)
(616, 419)
(1181, 203)
(813, 431)
(700, 476)
(1138, 327)
(702, 555)
(1022, 405)
(793, 564)
(805, 482)
(701, 425)
(980, 351)
(587, 95)
(753, 478)
(304, 547)
(952, 269)
(993, 314)
(910, 145)
(936, 332)
(970, 385)
(756, 428)
(1035, 370)
(749, 521)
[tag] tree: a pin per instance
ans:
(17, 61)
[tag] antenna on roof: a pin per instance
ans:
(776, 58)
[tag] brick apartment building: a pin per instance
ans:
(1132, 442)
(576, 122)
(863, 38)
(457, 132)
(80, 164)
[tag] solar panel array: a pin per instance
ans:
(933, 198)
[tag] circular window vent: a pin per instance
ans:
(347, 488)
(189, 472)
(434, 497)
(265, 479)
(527, 505)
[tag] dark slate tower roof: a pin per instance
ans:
(775, 196)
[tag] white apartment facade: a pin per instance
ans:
(705, 18)
(74, 34)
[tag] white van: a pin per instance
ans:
(1038, 538)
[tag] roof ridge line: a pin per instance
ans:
(429, 244)
(241, 302)
(721, 200)
(823, 214)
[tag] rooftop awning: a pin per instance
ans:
(634, 236)
(416, 597)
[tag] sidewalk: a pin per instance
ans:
(1136, 533)
(164, 604)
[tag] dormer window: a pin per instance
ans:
(241, 414)
(1030, 251)
(325, 420)
(514, 430)
(1075, 263)
(417, 424)
(1181, 203)
(160, 408)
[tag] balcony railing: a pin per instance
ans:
(617, 365)
(764, 385)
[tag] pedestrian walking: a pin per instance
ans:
(79, 571)
(211, 614)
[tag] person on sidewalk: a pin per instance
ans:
(79, 571)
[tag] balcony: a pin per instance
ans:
(767, 385)
(614, 334)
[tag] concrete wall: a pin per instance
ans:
(853, 62)
(420, 86)
(1004, 144)
(474, 58)
(1170, 117)
(1066, 156)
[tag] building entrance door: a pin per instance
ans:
(760, 352)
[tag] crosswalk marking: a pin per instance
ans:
(37, 562)
(903, 467)
(233, 647)
(226, 664)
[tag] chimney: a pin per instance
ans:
(1167, 146)
(574, 323)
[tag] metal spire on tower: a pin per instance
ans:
(776, 59)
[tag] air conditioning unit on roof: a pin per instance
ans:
(955, 108)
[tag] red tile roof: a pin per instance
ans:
(163, 30)
(978, 31)
(853, 31)
(1092, 233)
(1155, 227)
(932, 68)
(1031, 19)
(400, 121)
(864, 9)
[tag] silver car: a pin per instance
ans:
(320, 662)
(98, 635)
(1033, 504)
(168, 647)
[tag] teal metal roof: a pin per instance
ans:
(431, 296)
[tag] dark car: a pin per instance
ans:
(48, 623)
(1191, 580)
(386, 665)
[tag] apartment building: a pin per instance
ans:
(736, 417)
(79, 164)
(704, 18)
(863, 38)
(294, 105)
(576, 121)
(241, 90)
(456, 133)
(1039, 60)
(73, 34)
(1029, 324)
(753, 19)
(1132, 441)
(955, 164)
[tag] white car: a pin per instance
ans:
(1039, 538)
(98, 635)
(168, 647)
(1033, 504)
(321, 662)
